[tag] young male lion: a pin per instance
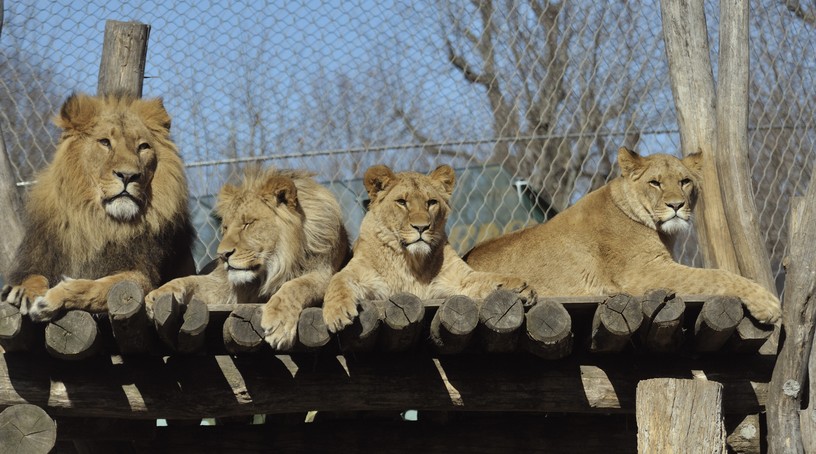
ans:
(618, 239)
(403, 247)
(283, 238)
(112, 205)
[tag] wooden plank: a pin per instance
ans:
(72, 336)
(663, 317)
(124, 53)
(679, 412)
(312, 330)
(26, 428)
(548, 331)
(402, 316)
(716, 323)
(242, 329)
(135, 387)
(364, 331)
(129, 322)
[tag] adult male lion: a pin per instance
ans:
(618, 239)
(283, 238)
(403, 247)
(111, 206)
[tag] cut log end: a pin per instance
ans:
(73, 336)
(26, 428)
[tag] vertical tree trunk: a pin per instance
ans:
(732, 144)
(10, 222)
(798, 318)
(124, 54)
(692, 81)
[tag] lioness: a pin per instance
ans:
(618, 239)
(283, 238)
(403, 247)
(112, 205)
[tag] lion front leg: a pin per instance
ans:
(344, 290)
(84, 294)
(24, 294)
(479, 284)
(281, 313)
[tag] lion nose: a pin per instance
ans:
(126, 177)
(420, 227)
(225, 255)
(676, 205)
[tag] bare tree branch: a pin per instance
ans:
(794, 6)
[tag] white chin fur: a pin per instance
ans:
(122, 208)
(240, 277)
(419, 248)
(674, 226)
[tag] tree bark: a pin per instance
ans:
(692, 81)
(732, 144)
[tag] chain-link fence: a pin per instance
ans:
(529, 100)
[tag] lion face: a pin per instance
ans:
(411, 209)
(261, 221)
(663, 186)
(115, 141)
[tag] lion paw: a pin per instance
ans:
(47, 307)
(19, 296)
(338, 314)
(765, 310)
(279, 321)
(174, 288)
(520, 286)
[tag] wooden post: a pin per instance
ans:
(500, 317)
(548, 330)
(26, 428)
(732, 144)
(242, 329)
(17, 332)
(72, 336)
(10, 223)
(453, 324)
(312, 330)
(692, 81)
(402, 322)
(717, 321)
(663, 315)
(677, 415)
(798, 318)
(181, 326)
(124, 53)
(130, 324)
(615, 320)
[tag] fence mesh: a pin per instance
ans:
(528, 100)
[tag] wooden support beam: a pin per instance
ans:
(149, 387)
(181, 326)
(402, 316)
(124, 53)
(453, 324)
(27, 429)
(615, 320)
(674, 413)
(362, 334)
(716, 323)
(242, 329)
(17, 332)
(548, 330)
(129, 322)
(663, 317)
(72, 336)
(312, 330)
(500, 317)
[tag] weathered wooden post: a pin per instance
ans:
(26, 428)
(677, 415)
(798, 321)
(124, 54)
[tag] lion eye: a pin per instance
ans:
(105, 143)
(432, 202)
(402, 202)
(144, 146)
(655, 183)
(685, 181)
(246, 225)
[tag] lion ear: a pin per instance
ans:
(77, 112)
(154, 114)
(445, 175)
(376, 179)
(694, 162)
(280, 191)
(629, 161)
